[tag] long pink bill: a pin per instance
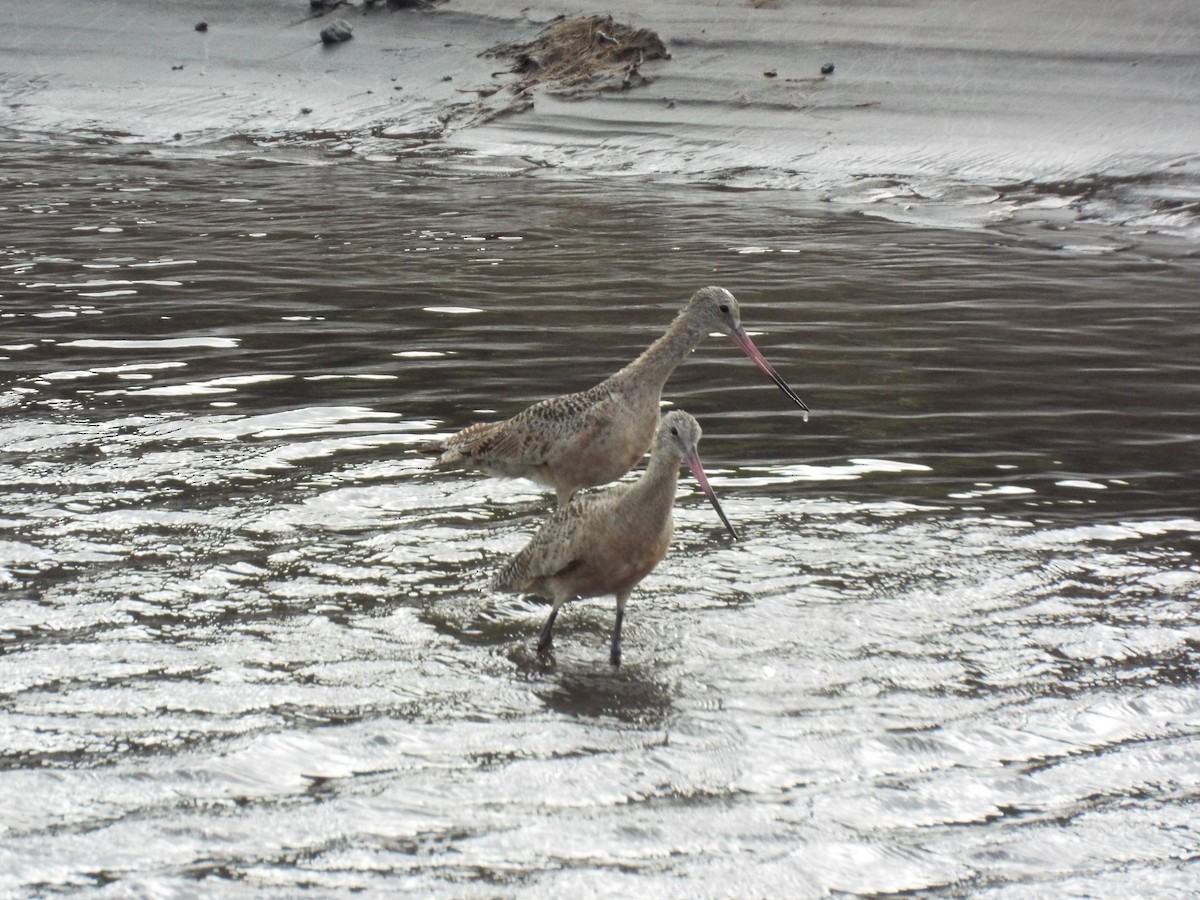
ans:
(693, 463)
(747, 345)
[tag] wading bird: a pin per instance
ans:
(607, 541)
(595, 436)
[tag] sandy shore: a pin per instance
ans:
(931, 104)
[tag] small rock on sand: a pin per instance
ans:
(339, 31)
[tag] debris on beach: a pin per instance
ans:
(572, 57)
(339, 31)
(587, 53)
(201, 26)
(827, 69)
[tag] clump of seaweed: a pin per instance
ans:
(583, 53)
(570, 58)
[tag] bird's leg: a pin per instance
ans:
(546, 638)
(614, 655)
(564, 496)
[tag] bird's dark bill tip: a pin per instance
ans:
(747, 345)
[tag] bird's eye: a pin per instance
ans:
(724, 307)
(674, 431)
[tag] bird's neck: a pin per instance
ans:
(659, 360)
(655, 489)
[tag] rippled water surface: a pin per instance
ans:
(246, 643)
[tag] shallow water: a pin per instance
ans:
(246, 640)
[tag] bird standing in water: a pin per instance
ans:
(595, 436)
(607, 541)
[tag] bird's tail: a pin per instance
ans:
(460, 448)
(511, 576)
(434, 448)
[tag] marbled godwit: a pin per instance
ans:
(595, 436)
(606, 542)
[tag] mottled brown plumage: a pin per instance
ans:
(607, 541)
(595, 436)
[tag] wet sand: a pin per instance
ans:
(932, 106)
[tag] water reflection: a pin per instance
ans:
(620, 694)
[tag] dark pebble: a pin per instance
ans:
(339, 31)
(827, 69)
(770, 73)
(202, 26)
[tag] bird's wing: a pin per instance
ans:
(532, 434)
(555, 550)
